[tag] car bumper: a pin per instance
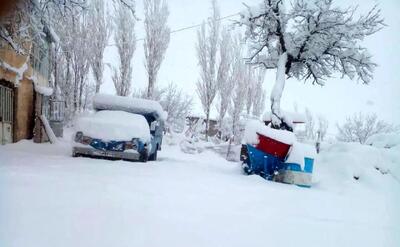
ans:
(90, 152)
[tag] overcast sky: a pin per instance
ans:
(336, 100)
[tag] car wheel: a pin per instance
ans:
(144, 157)
(153, 156)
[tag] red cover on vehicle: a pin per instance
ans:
(272, 146)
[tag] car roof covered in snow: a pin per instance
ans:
(143, 107)
(114, 126)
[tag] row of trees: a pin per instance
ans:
(83, 31)
(226, 81)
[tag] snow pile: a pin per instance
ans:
(342, 162)
(299, 151)
(254, 127)
(384, 140)
(133, 105)
(114, 125)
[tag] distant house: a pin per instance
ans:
(25, 90)
(195, 121)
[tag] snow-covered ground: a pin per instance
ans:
(48, 198)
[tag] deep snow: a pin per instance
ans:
(48, 198)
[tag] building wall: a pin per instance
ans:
(24, 103)
(24, 114)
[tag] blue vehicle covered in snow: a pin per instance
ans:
(121, 128)
(276, 155)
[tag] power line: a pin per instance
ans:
(190, 27)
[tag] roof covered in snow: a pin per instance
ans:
(129, 104)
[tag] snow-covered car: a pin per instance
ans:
(121, 128)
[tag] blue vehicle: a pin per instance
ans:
(121, 128)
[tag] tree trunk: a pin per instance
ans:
(150, 87)
(207, 123)
(277, 91)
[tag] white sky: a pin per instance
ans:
(336, 100)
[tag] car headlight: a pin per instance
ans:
(78, 136)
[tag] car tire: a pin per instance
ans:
(144, 157)
(153, 156)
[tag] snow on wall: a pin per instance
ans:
(254, 126)
(114, 126)
(19, 72)
(133, 105)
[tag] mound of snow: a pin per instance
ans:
(299, 151)
(254, 127)
(384, 140)
(114, 125)
(128, 104)
(342, 162)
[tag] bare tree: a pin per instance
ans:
(359, 127)
(157, 39)
(100, 32)
(125, 39)
(309, 41)
(207, 46)
(225, 83)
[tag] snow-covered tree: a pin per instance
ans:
(25, 20)
(310, 132)
(309, 40)
(125, 40)
(99, 33)
(322, 129)
(239, 92)
(259, 94)
(80, 58)
(207, 46)
(177, 104)
(225, 83)
(157, 39)
(251, 86)
(359, 127)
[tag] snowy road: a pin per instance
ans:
(50, 199)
